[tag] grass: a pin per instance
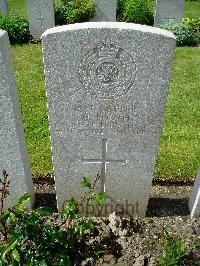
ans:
(30, 83)
(192, 10)
(179, 153)
(17, 7)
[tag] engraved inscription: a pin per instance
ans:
(117, 118)
(107, 71)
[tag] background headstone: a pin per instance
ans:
(40, 16)
(106, 10)
(194, 201)
(3, 7)
(168, 11)
(107, 87)
(13, 154)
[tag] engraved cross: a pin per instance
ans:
(103, 161)
(41, 19)
(169, 19)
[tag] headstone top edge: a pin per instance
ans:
(2, 32)
(109, 25)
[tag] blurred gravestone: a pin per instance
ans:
(105, 10)
(3, 7)
(168, 11)
(40, 16)
(194, 201)
(107, 89)
(13, 154)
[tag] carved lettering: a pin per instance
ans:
(106, 118)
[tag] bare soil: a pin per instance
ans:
(135, 241)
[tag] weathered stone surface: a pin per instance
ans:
(4, 7)
(105, 10)
(40, 16)
(168, 11)
(13, 154)
(194, 201)
(107, 87)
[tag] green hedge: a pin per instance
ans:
(135, 11)
(184, 37)
(17, 28)
(71, 11)
(193, 24)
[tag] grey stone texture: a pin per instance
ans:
(13, 154)
(168, 11)
(4, 7)
(194, 201)
(105, 10)
(107, 87)
(40, 16)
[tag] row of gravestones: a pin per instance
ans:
(41, 13)
(106, 89)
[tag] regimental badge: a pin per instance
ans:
(107, 71)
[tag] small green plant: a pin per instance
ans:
(192, 24)
(72, 11)
(194, 27)
(135, 11)
(39, 237)
(17, 28)
(184, 37)
(175, 250)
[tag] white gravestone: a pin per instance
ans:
(107, 87)
(194, 201)
(40, 16)
(105, 10)
(3, 7)
(13, 154)
(168, 11)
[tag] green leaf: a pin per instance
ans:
(86, 182)
(71, 210)
(10, 245)
(82, 226)
(89, 226)
(65, 261)
(11, 218)
(97, 198)
(5, 214)
(43, 211)
(100, 197)
(22, 201)
(16, 255)
(42, 263)
(80, 231)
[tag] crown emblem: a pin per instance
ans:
(107, 50)
(107, 70)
